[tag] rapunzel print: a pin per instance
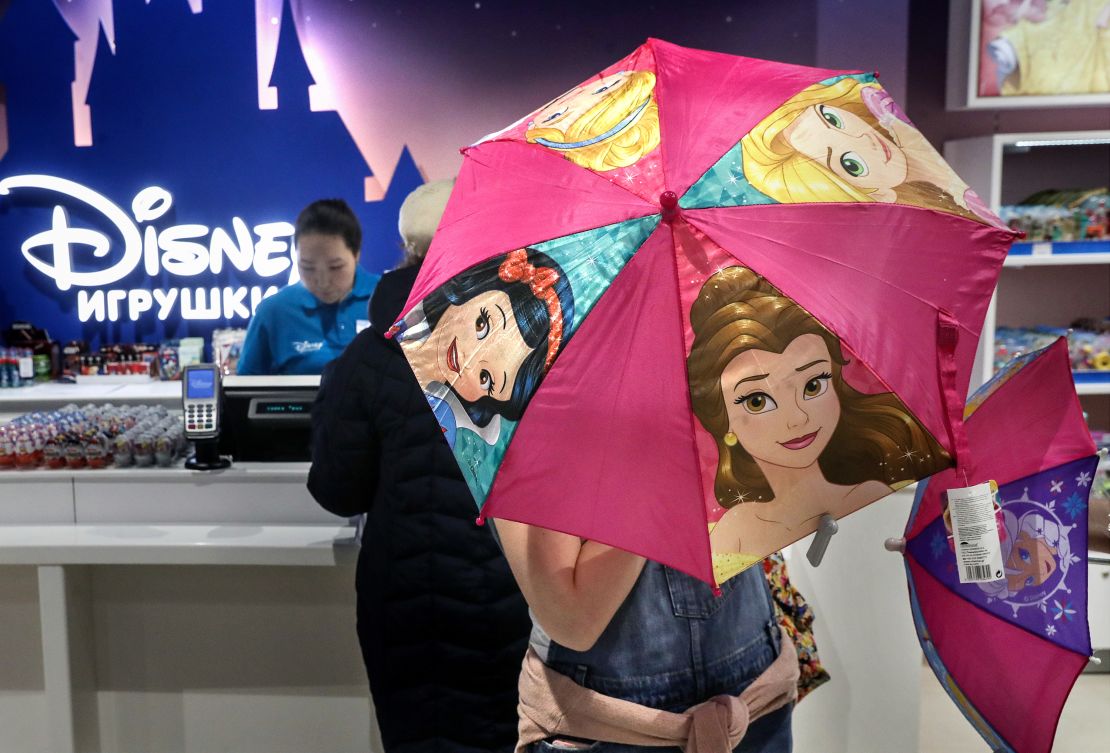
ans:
(848, 141)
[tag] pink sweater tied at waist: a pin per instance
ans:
(552, 704)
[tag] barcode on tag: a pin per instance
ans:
(975, 532)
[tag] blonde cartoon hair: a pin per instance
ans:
(626, 145)
(780, 171)
(736, 311)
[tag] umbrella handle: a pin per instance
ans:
(825, 530)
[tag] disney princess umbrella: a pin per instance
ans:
(1008, 648)
(698, 302)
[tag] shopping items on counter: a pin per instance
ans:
(226, 346)
(630, 321)
(175, 355)
(1075, 215)
(29, 356)
(93, 436)
(17, 367)
(1008, 645)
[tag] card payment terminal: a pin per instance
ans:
(200, 397)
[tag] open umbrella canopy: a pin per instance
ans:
(1008, 650)
(699, 300)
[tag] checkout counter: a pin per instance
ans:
(168, 609)
(267, 418)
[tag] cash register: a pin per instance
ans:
(268, 418)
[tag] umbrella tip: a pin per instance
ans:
(717, 591)
(895, 545)
(480, 520)
(668, 200)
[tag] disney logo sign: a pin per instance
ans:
(188, 250)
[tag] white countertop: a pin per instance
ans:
(64, 392)
(177, 545)
(238, 472)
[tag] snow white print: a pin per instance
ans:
(481, 343)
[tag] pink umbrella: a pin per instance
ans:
(1008, 649)
(733, 295)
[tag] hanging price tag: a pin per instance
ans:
(975, 532)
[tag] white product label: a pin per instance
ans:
(26, 367)
(975, 533)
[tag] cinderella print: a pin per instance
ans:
(603, 124)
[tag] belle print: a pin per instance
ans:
(794, 440)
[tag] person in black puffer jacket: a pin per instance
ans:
(441, 623)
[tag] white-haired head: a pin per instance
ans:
(419, 217)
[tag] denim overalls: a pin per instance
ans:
(673, 644)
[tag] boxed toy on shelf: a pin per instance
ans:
(1055, 216)
(1088, 343)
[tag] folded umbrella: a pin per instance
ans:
(1008, 649)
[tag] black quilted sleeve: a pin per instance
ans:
(346, 445)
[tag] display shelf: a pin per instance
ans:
(1092, 382)
(1059, 253)
(1004, 168)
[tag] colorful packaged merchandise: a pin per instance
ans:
(1075, 215)
(93, 436)
(1088, 344)
(226, 346)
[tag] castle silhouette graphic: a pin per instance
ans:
(174, 104)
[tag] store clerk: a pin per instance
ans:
(303, 326)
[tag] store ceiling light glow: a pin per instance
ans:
(1028, 143)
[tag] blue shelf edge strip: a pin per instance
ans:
(1025, 248)
(1091, 377)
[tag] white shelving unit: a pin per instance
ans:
(1004, 168)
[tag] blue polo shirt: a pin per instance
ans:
(292, 332)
